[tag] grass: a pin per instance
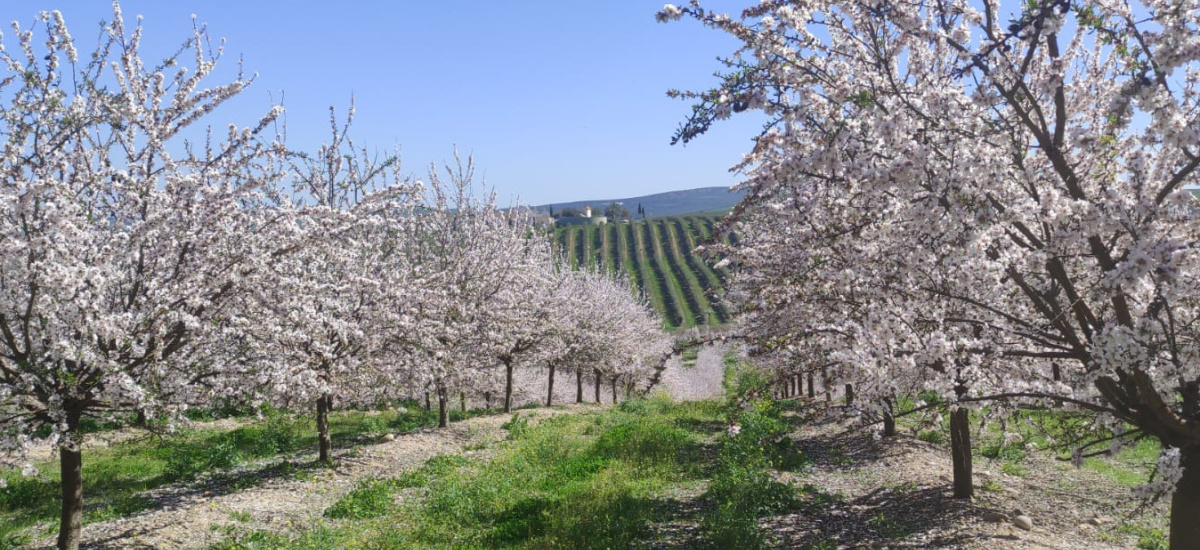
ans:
(743, 488)
(592, 480)
(114, 477)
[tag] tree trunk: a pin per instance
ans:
(613, 380)
(889, 423)
(508, 376)
(428, 403)
(443, 409)
(1185, 502)
(487, 400)
(579, 385)
(799, 385)
(960, 451)
(812, 388)
(324, 440)
(849, 395)
(550, 388)
(597, 372)
(70, 460)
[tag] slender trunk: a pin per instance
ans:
(799, 385)
(487, 400)
(462, 399)
(1185, 502)
(579, 385)
(812, 388)
(849, 395)
(70, 460)
(960, 451)
(324, 440)
(597, 373)
(443, 409)
(613, 380)
(825, 381)
(428, 403)
(508, 376)
(550, 388)
(889, 423)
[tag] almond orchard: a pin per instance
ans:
(960, 217)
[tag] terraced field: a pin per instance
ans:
(657, 256)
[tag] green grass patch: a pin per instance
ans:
(370, 499)
(743, 487)
(593, 480)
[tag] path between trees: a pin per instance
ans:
(199, 514)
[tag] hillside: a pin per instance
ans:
(657, 256)
(671, 203)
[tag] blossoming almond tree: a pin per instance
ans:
(467, 254)
(526, 315)
(608, 329)
(122, 247)
(329, 304)
(1016, 176)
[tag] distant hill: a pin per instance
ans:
(671, 203)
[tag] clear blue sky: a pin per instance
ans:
(557, 100)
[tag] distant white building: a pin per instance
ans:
(587, 212)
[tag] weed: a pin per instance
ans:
(887, 527)
(516, 427)
(932, 436)
(1149, 538)
(1014, 469)
(370, 499)
(186, 461)
(998, 450)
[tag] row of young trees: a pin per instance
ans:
(143, 272)
(989, 201)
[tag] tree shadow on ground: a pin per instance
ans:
(841, 450)
(894, 517)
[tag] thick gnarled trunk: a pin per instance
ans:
(889, 423)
